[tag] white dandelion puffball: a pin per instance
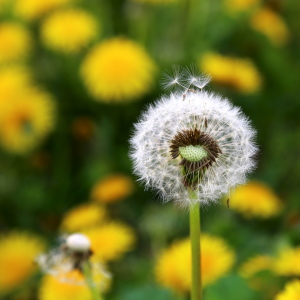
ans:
(195, 143)
(78, 242)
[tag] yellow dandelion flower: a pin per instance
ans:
(287, 262)
(111, 240)
(13, 81)
(15, 42)
(173, 268)
(291, 291)
(255, 265)
(17, 253)
(239, 74)
(34, 9)
(240, 5)
(71, 287)
(271, 25)
(26, 120)
(112, 189)
(117, 69)
(68, 30)
(82, 217)
(255, 199)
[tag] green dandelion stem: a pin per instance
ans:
(196, 291)
(90, 282)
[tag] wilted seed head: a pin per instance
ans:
(78, 242)
(70, 258)
(193, 140)
(72, 254)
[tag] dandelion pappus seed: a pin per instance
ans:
(184, 79)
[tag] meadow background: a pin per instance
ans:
(74, 78)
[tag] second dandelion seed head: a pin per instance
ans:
(78, 242)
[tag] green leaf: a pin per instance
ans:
(146, 292)
(230, 287)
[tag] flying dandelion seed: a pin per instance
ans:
(202, 145)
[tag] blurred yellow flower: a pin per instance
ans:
(69, 30)
(13, 81)
(272, 25)
(291, 291)
(15, 42)
(117, 69)
(237, 73)
(173, 267)
(111, 240)
(255, 265)
(240, 5)
(17, 253)
(112, 188)
(252, 270)
(255, 199)
(82, 217)
(71, 287)
(287, 262)
(34, 9)
(25, 120)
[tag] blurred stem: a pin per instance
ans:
(90, 283)
(145, 19)
(196, 292)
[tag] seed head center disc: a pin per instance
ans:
(193, 153)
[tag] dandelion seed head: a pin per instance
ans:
(78, 242)
(221, 155)
(69, 257)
